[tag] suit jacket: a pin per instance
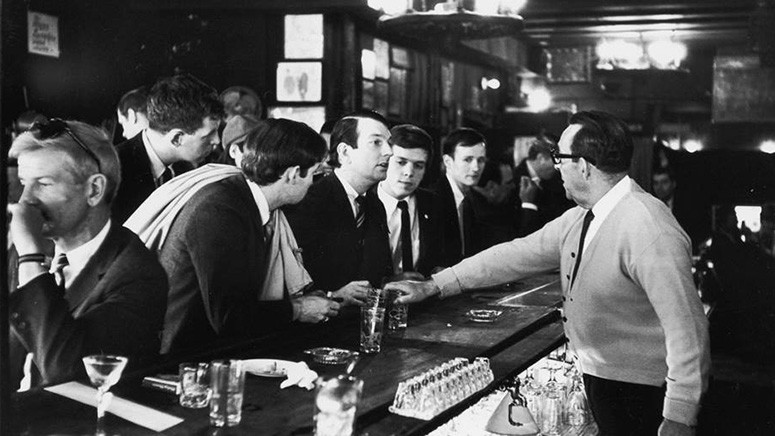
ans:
(492, 224)
(114, 306)
(137, 180)
(550, 201)
(431, 238)
(334, 251)
(215, 258)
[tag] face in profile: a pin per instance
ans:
(50, 186)
(571, 176)
(369, 160)
(405, 171)
(466, 166)
(131, 124)
(196, 146)
(663, 186)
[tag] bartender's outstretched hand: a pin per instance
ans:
(312, 308)
(354, 293)
(673, 428)
(413, 291)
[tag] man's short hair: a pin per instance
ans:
(182, 102)
(410, 136)
(462, 137)
(604, 138)
(346, 130)
(278, 144)
(83, 165)
(664, 170)
(540, 146)
(136, 99)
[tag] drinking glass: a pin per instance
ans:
(372, 323)
(576, 405)
(227, 385)
(104, 371)
(551, 406)
(335, 403)
(194, 384)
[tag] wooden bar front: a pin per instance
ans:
(438, 331)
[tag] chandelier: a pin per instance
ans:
(451, 19)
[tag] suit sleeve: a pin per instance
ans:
(229, 270)
(126, 320)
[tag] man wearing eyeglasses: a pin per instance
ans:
(632, 314)
(104, 292)
(183, 118)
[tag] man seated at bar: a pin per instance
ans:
(132, 112)
(229, 252)
(632, 313)
(104, 292)
(465, 154)
(542, 197)
(412, 212)
(340, 224)
(183, 119)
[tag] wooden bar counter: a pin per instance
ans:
(438, 331)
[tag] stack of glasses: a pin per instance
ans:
(430, 393)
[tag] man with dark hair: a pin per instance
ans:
(412, 212)
(542, 197)
(183, 119)
(132, 112)
(632, 314)
(341, 223)
(465, 154)
(104, 292)
(229, 253)
(663, 184)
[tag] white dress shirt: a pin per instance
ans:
(394, 227)
(261, 203)
(352, 194)
(77, 258)
(605, 205)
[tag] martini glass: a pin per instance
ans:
(104, 371)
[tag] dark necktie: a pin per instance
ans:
(165, 177)
(407, 262)
(360, 216)
(58, 265)
(468, 225)
(587, 220)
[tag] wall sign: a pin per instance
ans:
(299, 81)
(43, 34)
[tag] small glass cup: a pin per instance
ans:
(336, 400)
(227, 383)
(398, 314)
(372, 324)
(194, 384)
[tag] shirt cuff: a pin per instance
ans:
(526, 205)
(447, 282)
(680, 411)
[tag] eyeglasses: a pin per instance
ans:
(557, 156)
(55, 127)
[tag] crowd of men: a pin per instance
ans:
(155, 253)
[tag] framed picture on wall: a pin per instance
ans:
(299, 81)
(381, 97)
(304, 36)
(400, 57)
(568, 65)
(397, 92)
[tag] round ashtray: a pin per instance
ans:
(483, 315)
(330, 356)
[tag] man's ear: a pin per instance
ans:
(234, 151)
(131, 116)
(175, 137)
(292, 174)
(96, 186)
(447, 159)
(343, 152)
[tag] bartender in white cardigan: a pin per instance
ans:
(632, 314)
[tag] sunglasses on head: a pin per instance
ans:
(55, 127)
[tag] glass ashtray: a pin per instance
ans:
(483, 315)
(330, 356)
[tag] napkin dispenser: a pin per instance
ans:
(512, 416)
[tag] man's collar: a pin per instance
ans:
(456, 192)
(157, 166)
(390, 202)
(261, 203)
(607, 202)
(348, 188)
(78, 257)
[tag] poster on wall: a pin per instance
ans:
(42, 34)
(382, 50)
(304, 36)
(568, 65)
(299, 81)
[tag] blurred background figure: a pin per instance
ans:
(132, 112)
(233, 138)
(241, 100)
(663, 184)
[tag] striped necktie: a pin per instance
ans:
(360, 216)
(58, 267)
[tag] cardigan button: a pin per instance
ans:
(573, 255)
(564, 319)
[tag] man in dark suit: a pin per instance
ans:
(340, 224)
(218, 250)
(183, 119)
(412, 213)
(107, 293)
(542, 196)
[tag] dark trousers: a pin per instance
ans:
(622, 408)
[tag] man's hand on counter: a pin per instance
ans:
(413, 291)
(673, 428)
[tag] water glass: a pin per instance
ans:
(398, 313)
(227, 383)
(372, 323)
(336, 400)
(194, 384)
